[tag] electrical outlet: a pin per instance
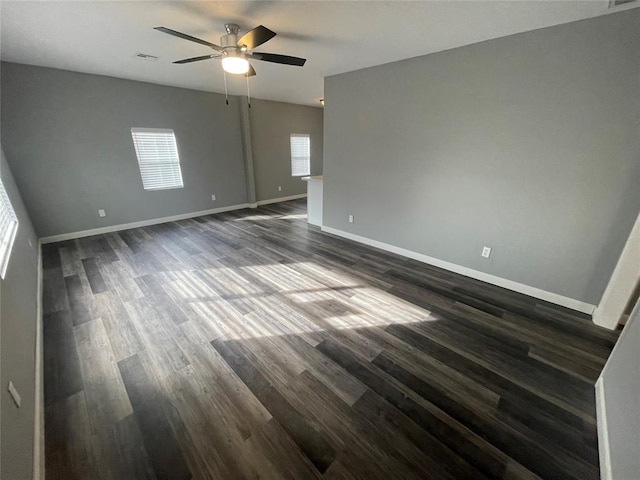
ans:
(486, 252)
(14, 394)
(102, 213)
(279, 188)
(213, 197)
(350, 218)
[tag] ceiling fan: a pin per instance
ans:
(235, 53)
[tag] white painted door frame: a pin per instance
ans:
(623, 283)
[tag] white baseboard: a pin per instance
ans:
(603, 433)
(144, 223)
(38, 424)
(154, 221)
(281, 199)
(468, 272)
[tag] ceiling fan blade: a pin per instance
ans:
(197, 59)
(188, 37)
(251, 72)
(256, 37)
(276, 58)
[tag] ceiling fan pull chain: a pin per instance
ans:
(248, 92)
(226, 95)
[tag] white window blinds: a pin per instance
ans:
(8, 229)
(300, 154)
(158, 160)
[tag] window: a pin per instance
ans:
(158, 160)
(300, 154)
(8, 229)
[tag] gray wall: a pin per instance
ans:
(621, 384)
(18, 293)
(67, 138)
(528, 144)
(272, 123)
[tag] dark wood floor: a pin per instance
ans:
(248, 344)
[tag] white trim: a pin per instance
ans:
(38, 427)
(468, 272)
(281, 199)
(622, 284)
(144, 223)
(603, 433)
(154, 221)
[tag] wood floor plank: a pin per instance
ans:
(490, 465)
(283, 458)
(123, 335)
(312, 443)
(103, 386)
(117, 276)
(377, 410)
(161, 346)
(61, 363)
(201, 413)
(535, 334)
(68, 452)
(133, 457)
(161, 445)
(515, 439)
(54, 294)
(564, 363)
(80, 300)
(344, 386)
(344, 429)
(70, 259)
(387, 452)
(153, 289)
(482, 374)
(216, 375)
(51, 256)
(559, 388)
(92, 270)
(454, 388)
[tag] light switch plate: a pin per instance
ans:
(486, 251)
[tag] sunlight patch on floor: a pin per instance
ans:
(274, 300)
(254, 218)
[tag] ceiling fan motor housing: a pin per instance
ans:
(230, 41)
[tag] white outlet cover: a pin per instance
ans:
(102, 213)
(350, 218)
(279, 188)
(486, 252)
(14, 394)
(213, 197)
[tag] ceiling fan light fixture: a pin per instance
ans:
(235, 65)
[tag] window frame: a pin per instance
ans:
(141, 164)
(307, 157)
(8, 237)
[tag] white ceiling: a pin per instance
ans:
(103, 37)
